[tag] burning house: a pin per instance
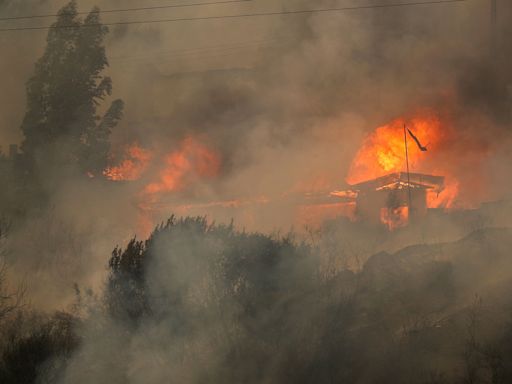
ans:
(379, 190)
(381, 186)
(394, 199)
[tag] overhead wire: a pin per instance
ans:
(119, 10)
(235, 16)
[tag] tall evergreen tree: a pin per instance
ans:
(62, 125)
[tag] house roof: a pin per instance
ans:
(401, 179)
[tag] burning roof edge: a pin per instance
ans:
(417, 180)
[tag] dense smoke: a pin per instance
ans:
(277, 106)
(287, 108)
(299, 92)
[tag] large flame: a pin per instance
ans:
(179, 170)
(176, 170)
(383, 152)
(192, 161)
(164, 173)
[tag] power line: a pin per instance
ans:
(126, 9)
(244, 15)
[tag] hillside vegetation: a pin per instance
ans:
(198, 302)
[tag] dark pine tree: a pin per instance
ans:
(62, 125)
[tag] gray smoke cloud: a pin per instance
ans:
(284, 100)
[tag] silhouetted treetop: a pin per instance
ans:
(62, 124)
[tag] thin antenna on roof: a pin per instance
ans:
(407, 165)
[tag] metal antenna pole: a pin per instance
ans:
(408, 176)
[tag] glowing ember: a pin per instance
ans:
(394, 218)
(132, 167)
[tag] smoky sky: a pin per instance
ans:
(342, 61)
(283, 98)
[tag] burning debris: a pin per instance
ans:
(174, 170)
(135, 162)
(191, 162)
(161, 174)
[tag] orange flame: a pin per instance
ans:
(190, 162)
(447, 198)
(383, 152)
(394, 218)
(132, 167)
(176, 171)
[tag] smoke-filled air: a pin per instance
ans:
(255, 191)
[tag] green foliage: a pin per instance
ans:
(61, 125)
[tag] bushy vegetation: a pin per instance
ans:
(199, 302)
(36, 346)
